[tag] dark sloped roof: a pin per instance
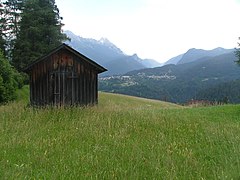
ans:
(99, 68)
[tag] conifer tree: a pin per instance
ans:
(9, 23)
(2, 42)
(2, 24)
(237, 53)
(40, 31)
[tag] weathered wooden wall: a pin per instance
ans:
(63, 79)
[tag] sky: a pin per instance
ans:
(155, 29)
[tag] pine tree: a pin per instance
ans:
(2, 42)
(9, 23)
(2, 24)
(237, 53)
(40, 31)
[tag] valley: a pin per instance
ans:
(196, 74)
(182, 82)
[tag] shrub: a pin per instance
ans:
(10, 80)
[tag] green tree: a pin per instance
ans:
(10, 80)
(2, 23)
(2, 42)
(237, 52)
(40, 31)
(9, 24)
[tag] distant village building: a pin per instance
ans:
(64, 77)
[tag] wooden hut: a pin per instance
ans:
(64, 77)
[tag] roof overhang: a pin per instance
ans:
(98, 67)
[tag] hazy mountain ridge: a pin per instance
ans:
(174, 60)
(108, 55)
(102, 51)
(194, 54)
(123, 65)
(151, 63)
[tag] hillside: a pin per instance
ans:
(123, 65)
(228, 91)
(176, 83)
(123, 137)
(121, 102)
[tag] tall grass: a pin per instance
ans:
(121, 138)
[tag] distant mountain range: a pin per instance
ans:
(195, 54)
(197, 74)
(109, 55)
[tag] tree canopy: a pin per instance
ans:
(237, 52)
(10, 12)
(40, 31)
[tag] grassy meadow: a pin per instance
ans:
(122, 138)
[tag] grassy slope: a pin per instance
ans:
(122, 138)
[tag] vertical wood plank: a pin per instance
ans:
(96, 88)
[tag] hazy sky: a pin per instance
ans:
(156, 29)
